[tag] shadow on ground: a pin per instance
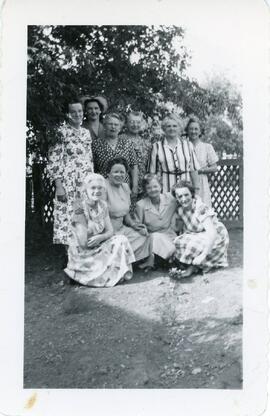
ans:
(151, 333)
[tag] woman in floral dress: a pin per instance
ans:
(69, 161)
(95, 257)
(204, 242)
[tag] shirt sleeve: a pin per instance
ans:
(132, 154)
(139, 212)
(55, 166)
(212, 157)
(153, 164)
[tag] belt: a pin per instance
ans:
(177, 173)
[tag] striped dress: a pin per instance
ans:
(173, 164)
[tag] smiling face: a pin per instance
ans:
(184, 197)
(75, 114)
(134, 124)
(94, 190)
(92, 111)
(112, 127)
(117, 174)
(153, 189)
(194, 131)
(171, 129)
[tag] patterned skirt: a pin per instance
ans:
(190, 245)
(102, 266)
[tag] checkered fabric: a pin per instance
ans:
(194, 239)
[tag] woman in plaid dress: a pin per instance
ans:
(204, 242)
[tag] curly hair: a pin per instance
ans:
(117, 161)
(183, 184)
(148, 178)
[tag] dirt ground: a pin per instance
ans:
(151, 332)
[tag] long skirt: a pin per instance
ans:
(163, 243)
(140, 244)
(102, 266)
(190, 245)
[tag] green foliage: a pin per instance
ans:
(142, 67)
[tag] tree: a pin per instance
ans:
(127, 64)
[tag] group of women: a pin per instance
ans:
(122, 200)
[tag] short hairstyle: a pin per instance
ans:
(173, 117)
(117, 161)
(148, 178)
(113, 115)
(92, 177)
(193, 119)
(93, 100)
(74, 100)
(183, 184)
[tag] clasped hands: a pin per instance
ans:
(141, 228)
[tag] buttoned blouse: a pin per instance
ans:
(156, 219)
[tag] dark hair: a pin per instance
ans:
(74, 100)
(184, 184)
(193, 119)
(93, 100)
(117, 161)
(148, 178)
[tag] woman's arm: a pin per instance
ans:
(195, 180)
(208, 169)
(134, 179)
(211, 233)
(137, 226)
(105, 235)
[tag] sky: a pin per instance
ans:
(215, 48)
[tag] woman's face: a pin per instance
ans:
(153, 189)
(112, 127)
(184, 197)
(117, 174)
(171, 129)
(75, 114)
(134, 124)
(194, 131)
(94, 190)
(92, 111)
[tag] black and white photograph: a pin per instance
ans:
(140, 185)
(134, 213)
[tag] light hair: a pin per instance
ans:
(172, 117)
(93, 177)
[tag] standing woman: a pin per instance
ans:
(141, 145)
(114, 146)
(69, 161)
(94, 109)
(206, 156)
(173, 158)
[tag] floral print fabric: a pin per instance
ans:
(69, 160)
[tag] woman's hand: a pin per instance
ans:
(141, 228)
(60, 193)
(197, 261)
(95, 241)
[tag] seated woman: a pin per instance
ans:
(157, 212)
(118, 200)
(96, 257)
(205, 240)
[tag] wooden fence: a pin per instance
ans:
(226, 188)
